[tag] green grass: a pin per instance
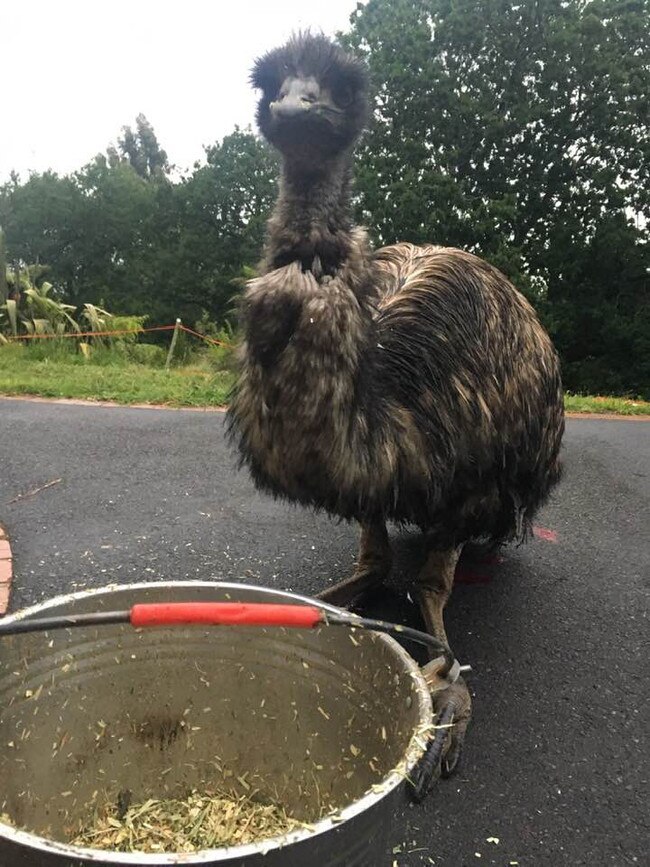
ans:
(69, 375)
(614, 405)
(60, 371)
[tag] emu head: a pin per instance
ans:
(314, 98)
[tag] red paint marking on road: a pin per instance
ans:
(545, 534)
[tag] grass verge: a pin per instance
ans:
(191, 385)
(606, 405)
(68, 375)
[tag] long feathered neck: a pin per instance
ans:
(303, 408)
(309, 316)
(312, 221)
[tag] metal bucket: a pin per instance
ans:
(312, 718)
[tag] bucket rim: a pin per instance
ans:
(394, 778)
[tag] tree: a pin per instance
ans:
(224, 207)
(3, 268)
(141, 150)
(519, 131)
(43, 220)
(119, 233)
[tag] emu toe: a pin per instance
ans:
(452, 711)
(350, 592)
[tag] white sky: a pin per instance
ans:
(76, 71)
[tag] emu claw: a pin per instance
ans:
(443, 753)
(354, 591)
(434, 765)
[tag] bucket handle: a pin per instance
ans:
(145, 615)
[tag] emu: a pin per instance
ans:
(409, 384)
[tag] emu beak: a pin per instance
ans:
(297, 95)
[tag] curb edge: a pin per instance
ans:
(6, 570)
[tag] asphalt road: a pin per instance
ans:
(556, 762)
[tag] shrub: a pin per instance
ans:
(147, 354)
(223, 356)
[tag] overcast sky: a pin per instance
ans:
(76, 71)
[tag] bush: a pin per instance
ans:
(223, 356)
(596, 376)
(147, 354)
(126, 323)
(51, 349)
(12, 351)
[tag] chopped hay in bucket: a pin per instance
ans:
(200, 821)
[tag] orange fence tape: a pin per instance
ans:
(90, 333)
(211, 340)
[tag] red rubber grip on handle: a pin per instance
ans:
(225, 614)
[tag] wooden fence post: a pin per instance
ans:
(4, 289)
(173, 344)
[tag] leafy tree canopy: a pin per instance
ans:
(119, 233)
(519, 131)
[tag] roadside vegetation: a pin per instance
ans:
(114, 375)
(555, 192)
(135, 373)
(607, 405)
(533, 155)
(39, 355)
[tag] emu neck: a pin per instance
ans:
(308, 377)
(311, 223)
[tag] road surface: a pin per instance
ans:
(556, 762)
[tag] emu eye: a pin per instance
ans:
(342, 94)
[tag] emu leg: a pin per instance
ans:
(373, 566)
(453, 705)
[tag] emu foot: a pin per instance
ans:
(349, 592)
(372, 567)
(452, 709)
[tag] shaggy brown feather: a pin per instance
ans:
(440, 406)
(414, 384)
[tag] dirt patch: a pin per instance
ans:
(158, 732)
